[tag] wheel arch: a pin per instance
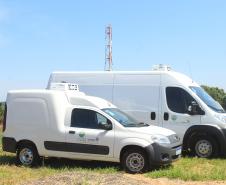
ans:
(128, 147)
(26, 142)
(210, 130)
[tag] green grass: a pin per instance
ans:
(12, 174)
(194, 169)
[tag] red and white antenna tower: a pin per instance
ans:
(108, 48)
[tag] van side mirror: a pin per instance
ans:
(105, 126)
(195, 109)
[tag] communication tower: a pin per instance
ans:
(108, 48)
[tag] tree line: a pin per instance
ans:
(217, 93)
(2, 106)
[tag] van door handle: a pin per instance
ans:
(71, 132)
(153, 115)
(186, 121)
(166, 116)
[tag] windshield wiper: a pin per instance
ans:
(130, 125)
(143, 124)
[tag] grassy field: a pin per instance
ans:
(194, 169)
(12, 174)
(185, 169)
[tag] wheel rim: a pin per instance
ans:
(26, 156)
(203, 148)
(135, 162)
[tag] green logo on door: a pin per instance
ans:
(81, 134)
(174, 117)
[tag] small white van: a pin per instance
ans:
(69, 124)
(160, 97)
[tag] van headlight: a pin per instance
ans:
(161, 139)
(220, 118)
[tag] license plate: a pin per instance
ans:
(178, 150)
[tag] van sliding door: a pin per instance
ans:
(138, 95)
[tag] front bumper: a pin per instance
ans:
(222, 142)
(163, 155)
(9, 144)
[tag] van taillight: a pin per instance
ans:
(4, 119)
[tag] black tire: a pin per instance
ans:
(204, 147)
(134, 161)
(27, 155)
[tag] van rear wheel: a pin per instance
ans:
(204, 147)
(27, 155)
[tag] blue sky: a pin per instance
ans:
(38, 37)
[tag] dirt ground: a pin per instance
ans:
(82, 178)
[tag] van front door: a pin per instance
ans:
(86, 137)
(175, 114)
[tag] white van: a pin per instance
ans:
(163, 98)
(69, 124)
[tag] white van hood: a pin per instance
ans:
(152, 130)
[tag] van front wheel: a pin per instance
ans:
(134, 161)
(205, 147)
(27, 155)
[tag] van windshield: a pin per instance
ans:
(207, 99)
(123, 118)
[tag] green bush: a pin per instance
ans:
(1, 111)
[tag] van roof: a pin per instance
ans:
(30, 91)
(33, 93)
(74, 98)
(170, 74)
(91, 101)
(109, 72)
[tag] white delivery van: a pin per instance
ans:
(69, 124)
(160, 97)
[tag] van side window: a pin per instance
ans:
(178, 99)
(83, 118)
